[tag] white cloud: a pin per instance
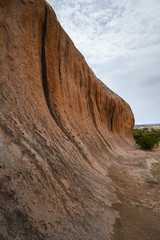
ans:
(121, 42)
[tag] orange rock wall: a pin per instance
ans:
(78, 101)
(60, 129)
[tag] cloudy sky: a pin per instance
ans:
(120, 40)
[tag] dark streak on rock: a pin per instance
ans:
(66, 65)
(46, 90)
(43, 61)
(97, 104)
(66, 56)
(59, 58)
(112, 110)
(80, 79)
(90, 103)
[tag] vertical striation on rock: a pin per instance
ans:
(60, 129)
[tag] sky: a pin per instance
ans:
(120, 40)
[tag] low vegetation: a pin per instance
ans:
(147, 138)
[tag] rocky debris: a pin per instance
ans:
(61, 130)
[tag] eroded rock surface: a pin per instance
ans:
(61, 130)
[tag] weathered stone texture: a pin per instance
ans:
(60, 129)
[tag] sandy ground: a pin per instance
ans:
(155, 171)
(139, 194)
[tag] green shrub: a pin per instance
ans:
(146, 142)
(146, 138)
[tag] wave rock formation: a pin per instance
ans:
(61, 131)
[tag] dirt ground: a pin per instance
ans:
(139, 195)
(155, 171)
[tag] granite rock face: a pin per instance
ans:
(60, 130)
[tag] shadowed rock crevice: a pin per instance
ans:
(43, 62)
(112, 114)
(46, 87)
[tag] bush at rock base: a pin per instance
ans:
(146, 138)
